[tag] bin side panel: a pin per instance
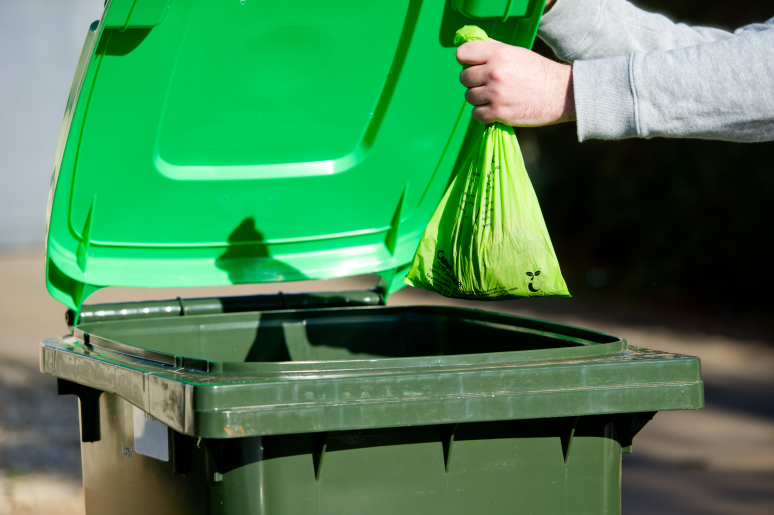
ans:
(118, 480)
(556, 466)
(526, 466)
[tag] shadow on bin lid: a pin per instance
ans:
(222, 142)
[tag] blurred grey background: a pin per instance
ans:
(624, 216)
(40, 41)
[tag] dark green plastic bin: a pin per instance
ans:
(373, 409)
(220, 142)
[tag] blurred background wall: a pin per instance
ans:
(40, 41)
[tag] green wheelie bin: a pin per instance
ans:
(218, 142)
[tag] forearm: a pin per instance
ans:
(720, 90)
(595, 29)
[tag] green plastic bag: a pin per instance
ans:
(487, 240)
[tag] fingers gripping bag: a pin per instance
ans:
(487, 240)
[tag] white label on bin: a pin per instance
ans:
(150, 436)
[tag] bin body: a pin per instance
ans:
(501, 467)
(361, 410)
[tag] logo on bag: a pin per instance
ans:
(443, 260)
(447, 268)
(531, 285)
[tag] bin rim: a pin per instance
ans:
(237, 404)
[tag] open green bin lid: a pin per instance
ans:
(216, 142)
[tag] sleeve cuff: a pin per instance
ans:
(567, 25)
(605, 99)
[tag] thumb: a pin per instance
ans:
(474, 52)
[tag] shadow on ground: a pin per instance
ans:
(651, 486)
(39, 429)
(40, 456)
(742, 395)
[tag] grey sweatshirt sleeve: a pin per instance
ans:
(637, 74)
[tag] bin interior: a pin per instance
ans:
(342, 334)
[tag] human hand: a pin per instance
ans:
(514, 85)
(549, 4)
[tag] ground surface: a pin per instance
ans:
(719, 460)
